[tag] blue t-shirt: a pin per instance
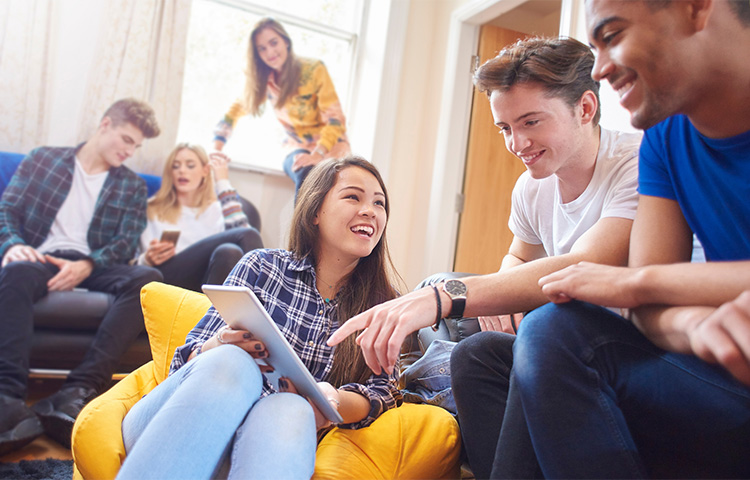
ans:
(709, 178)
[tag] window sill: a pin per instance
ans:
(244, 167)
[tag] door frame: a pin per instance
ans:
(455, 116)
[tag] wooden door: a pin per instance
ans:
(491, 172)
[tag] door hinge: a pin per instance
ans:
(460, 203)
(474, 63)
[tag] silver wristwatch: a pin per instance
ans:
(456, 290)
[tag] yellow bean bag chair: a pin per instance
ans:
(409, 442)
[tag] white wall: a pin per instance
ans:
(420, 100)
(273, 195)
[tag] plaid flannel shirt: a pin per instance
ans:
(38, 188)
(286, 287)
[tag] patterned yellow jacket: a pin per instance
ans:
(311, 117)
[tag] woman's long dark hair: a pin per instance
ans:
(372, 280)
(256, 76)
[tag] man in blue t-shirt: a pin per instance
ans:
(665, 392)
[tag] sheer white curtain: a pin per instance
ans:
(26, 28)
(141, 54)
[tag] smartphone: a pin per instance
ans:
(170, 236)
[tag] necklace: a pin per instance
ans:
(330, 288)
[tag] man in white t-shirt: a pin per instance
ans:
(70, 217)
(575, 202)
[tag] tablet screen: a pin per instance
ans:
(241, 309)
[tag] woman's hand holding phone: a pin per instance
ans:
(159, 252)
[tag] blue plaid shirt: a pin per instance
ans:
(286, 287)
(38, 189)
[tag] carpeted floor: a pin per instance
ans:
(50, 469)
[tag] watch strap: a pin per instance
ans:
(458, 305)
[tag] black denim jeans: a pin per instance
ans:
(23, 283)
(211, 259)
(488, 407)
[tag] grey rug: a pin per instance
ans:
(50, 469)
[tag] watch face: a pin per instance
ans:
(455, 288)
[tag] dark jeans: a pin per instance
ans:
(488, 407)
(601, 401)
(211, 259)
(23, 283)
(297, 176)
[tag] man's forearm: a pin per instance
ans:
(514, 289)
(692, 284)
(668, 327)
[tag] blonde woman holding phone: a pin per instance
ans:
(196, 229)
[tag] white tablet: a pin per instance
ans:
(241, 309)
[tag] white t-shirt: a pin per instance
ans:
(192, 226)
(538, 215)
(70, 229)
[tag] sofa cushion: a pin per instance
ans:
(8, 164)
(72, 310)
(169, 313)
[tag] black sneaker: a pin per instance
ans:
(18, 424)
(58, 412)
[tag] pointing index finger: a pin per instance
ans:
(354, 324)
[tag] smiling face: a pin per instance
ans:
(272, 49)
(545, 132)
(638, 52)
(117, 143)
(352, 216)
(188, 172)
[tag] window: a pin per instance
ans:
(217, 58)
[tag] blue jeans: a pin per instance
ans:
(602, 401)
(428, 380)
(208, 413)
(298, 176)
